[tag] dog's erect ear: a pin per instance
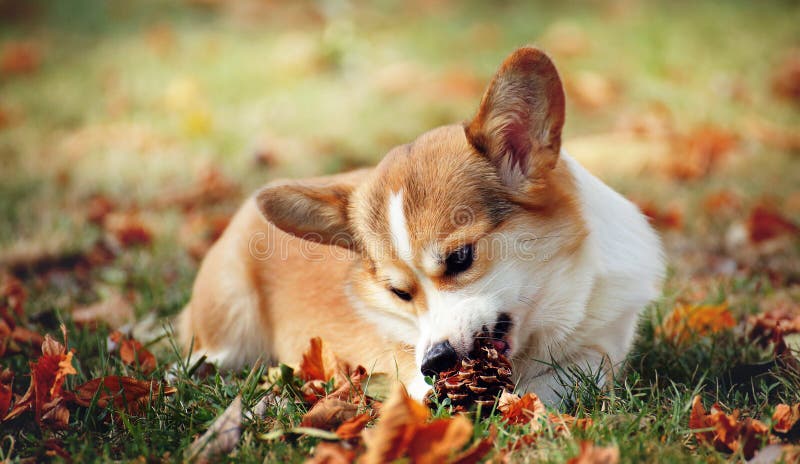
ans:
(314, 209)
(518, 125)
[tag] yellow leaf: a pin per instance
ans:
(197, 121)
(687, 322)
(182, 94)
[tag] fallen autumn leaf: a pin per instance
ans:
(686, 322)
(527, 409)
(133, 353)
(591, 454)
(766, 224)
(728, 433)
(329, 413)
(351, 428)
(331, 453)
(45, 394)
(123, 392)
(221, 437)
(115, 311)
(785, 417)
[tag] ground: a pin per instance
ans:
(130, 132)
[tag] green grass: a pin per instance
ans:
(121, 108)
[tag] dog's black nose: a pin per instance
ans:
(440, 357)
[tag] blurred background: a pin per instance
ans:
(131, 130)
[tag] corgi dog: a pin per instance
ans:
(485, 227)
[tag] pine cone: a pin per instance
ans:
(477, 380)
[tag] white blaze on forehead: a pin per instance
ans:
(431, 260)
(399, 228)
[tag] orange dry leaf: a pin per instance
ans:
(265, 155)
(786, 80)
(399, 418)
(563, 423)
(22, 335)
(332, 453)
(785, 417)
(212, 185)
(12, 303)
(435, 442)
(98, 207)
(128, 229)
(45, 394)
(773, 135)
(12, 299)
(123, 392)
(161, 38)
(18, 334)
(529, 409)
(591, 454)
(316, 364)
(351, 428)
(766, 224)
(670, 218)
(200, 231)
(722, 201)
(329, 413)
(133, 353)
(697, 154)
(403, 431)
(525, 410)
(347, 382)
(20, 58)
(688, 321)
(313, 390)
(319, 365)
(728, 433)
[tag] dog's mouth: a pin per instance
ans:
(500, 334)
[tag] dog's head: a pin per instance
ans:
(456, 230)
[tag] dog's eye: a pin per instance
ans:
(459, 260)
(405, 296)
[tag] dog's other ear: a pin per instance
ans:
(314, 209)
(518, 125)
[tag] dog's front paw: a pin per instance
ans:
(418, 388)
